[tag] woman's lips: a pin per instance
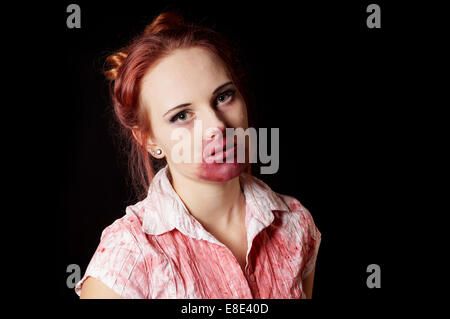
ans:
(223, 154)
(225, 147)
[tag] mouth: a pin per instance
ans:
(226, 148)
(225, 154)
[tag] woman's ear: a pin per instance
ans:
(147, 142)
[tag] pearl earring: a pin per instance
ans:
(158, 152)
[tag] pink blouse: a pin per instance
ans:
(159, 250)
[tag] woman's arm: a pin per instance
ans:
(95, 289)
(308, 284)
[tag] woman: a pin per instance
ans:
(203, 229)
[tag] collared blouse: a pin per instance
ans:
(159, 250)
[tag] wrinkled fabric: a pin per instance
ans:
(159, 250)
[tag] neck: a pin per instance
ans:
(214, 205)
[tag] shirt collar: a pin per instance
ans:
(164, 210)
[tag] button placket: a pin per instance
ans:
(250, 276)
(251, 279)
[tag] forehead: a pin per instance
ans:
(186, 75)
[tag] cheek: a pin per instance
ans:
(237, 115)
(177, 143)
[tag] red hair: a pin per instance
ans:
(167, 32)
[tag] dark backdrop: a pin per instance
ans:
(330, 85)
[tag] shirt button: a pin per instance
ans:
(252, 277)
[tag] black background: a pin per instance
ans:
(332, 86)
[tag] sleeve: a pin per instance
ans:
(313, 238)
(118, 263)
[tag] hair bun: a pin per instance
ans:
(115, 61)
(170, 20)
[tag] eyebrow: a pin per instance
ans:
(187, 104)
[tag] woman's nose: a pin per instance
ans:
(214, 133)
(213, 125)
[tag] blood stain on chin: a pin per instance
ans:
(220, 172)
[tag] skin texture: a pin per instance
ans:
(95, 289)
(191, 75)
(308, 284)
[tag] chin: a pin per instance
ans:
(220, 172)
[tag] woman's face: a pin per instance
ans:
(191, 100)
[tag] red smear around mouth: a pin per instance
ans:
(216, 171)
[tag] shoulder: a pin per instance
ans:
(124, 231)
(298, 217)
(128, 227)
(300, 224)
(296, 208)
(121, 261)
(128, 232)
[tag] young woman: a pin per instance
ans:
(202, 229)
